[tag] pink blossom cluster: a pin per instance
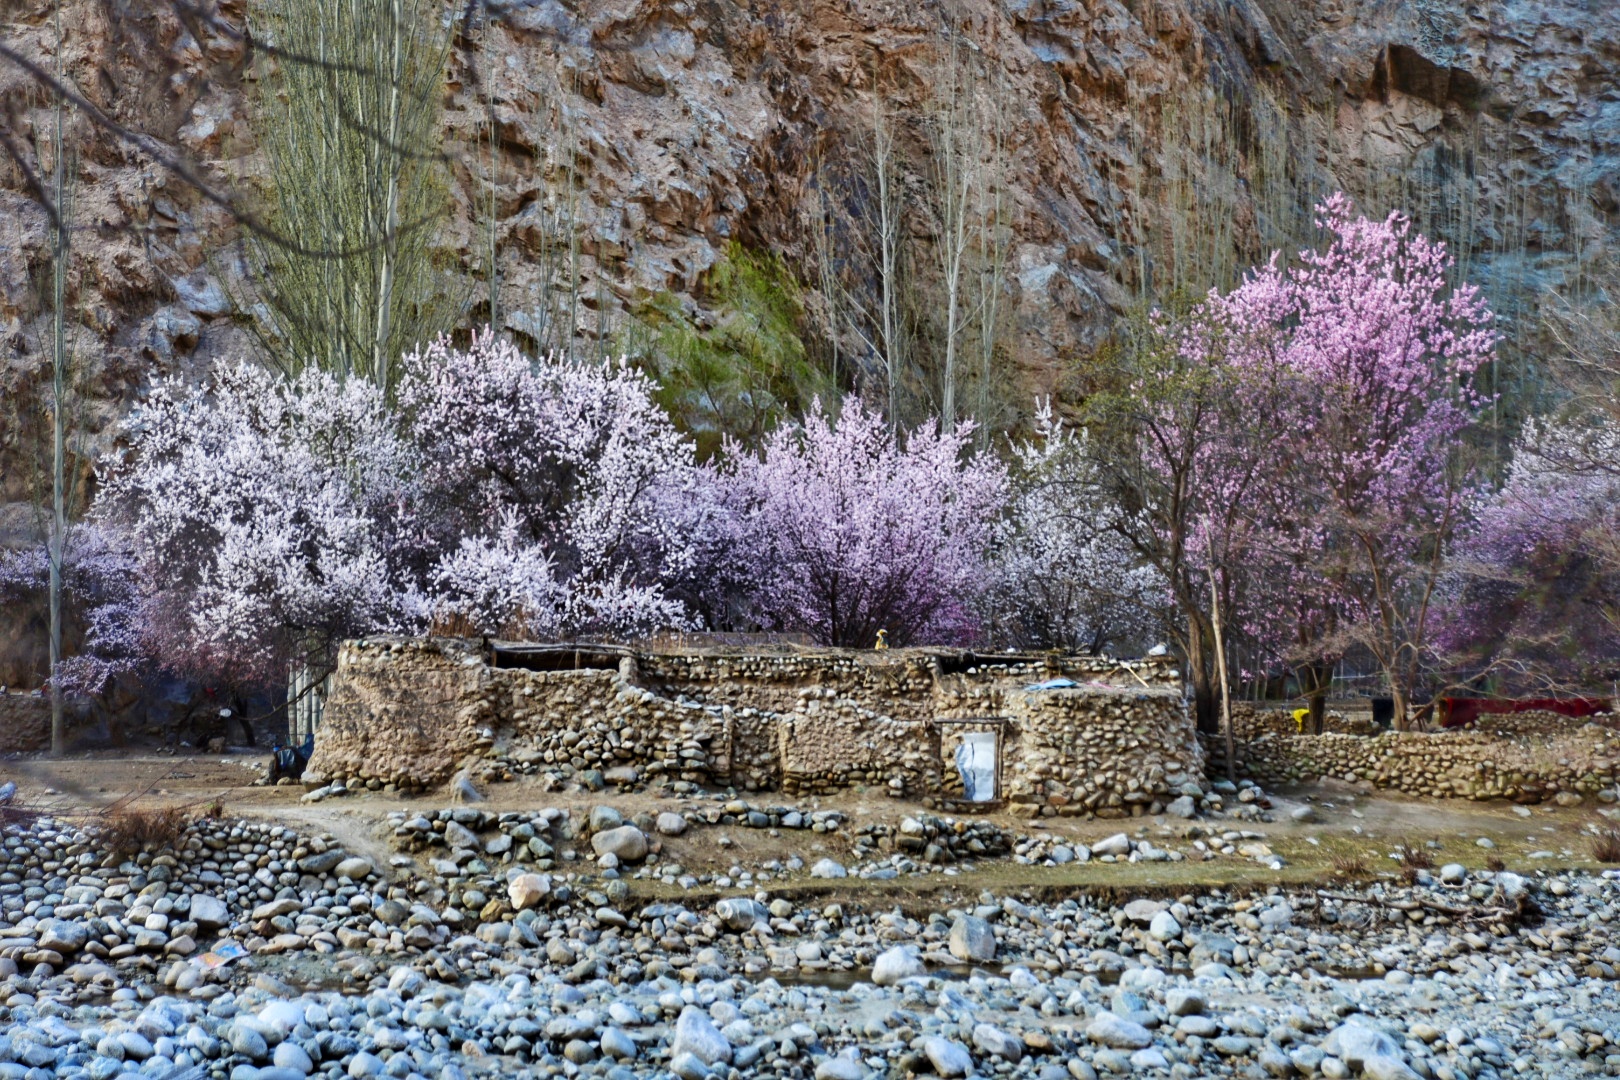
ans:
(1535, 582)
(260, 513)
(1334, 486)
(550, 487)
(846, 530)
(100, 597)
(267, 519)
(1063, 576)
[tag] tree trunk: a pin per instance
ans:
(1315, 680)
(1206, 706)
(1220, 668)
(1397, 694)
(59, 382)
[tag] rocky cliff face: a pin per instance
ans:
(682, 125)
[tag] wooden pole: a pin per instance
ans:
(1220, 668)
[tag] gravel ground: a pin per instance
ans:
(446, 958)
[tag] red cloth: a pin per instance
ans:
(1455, 712)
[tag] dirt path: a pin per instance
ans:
(1347, 822)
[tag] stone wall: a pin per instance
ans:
(1576, 762)
(405, 712)
(25, 722)
(411, 712)
(600, 720)
(832, 744)
(1539, 722)
(1250, 721)
(1105, 752)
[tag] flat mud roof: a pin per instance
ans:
(532, 656)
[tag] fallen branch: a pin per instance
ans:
(1508, 915)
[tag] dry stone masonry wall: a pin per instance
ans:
(1576, 762)
(405, 712)
(1111, 738)
(1250, 722)
(1104, 752)
(600, 720)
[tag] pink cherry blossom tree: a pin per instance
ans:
(1381, 352)
(550, 491)
(1534, 592)
(847, 530)
(266, 519)
(1063, 578)
(1294, 451)
(1181, 442)
(99, 578)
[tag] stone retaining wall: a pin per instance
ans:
(599, 720)
(1107, 753)
(1539, 722)
(833, 744)
(406, 711)
(1577, 762)
(1250, 721)
(411, 712)
(25, 722)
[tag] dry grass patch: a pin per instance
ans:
(129, 830)
(1605, 845)
(1350, 867)
(1415, 858)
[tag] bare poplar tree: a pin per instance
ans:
(57, 546)
(955, 170)
(352, 138)
(889, 210)
(992, 242)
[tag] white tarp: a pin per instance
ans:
(976, 762)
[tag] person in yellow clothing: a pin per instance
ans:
(1300, 716)
(882, 641)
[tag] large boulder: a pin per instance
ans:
(354, 868)
(324, 863)
(63, 936)
(270, 909)
(460, 838)
(603, 818)
(1165, 927)
(1118, 1033)
(627, 843)
(527, 890)
(209, 912)
(1355, 1043)
(997, 1043)
(972, 940)
(696, 1034)
(948, 1057)
(897, 964)
(740, 913)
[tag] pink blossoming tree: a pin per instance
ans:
(1381, 352)
(1063, 578)
(847, 530)
(264, 516)
(268, 519)
(550, 487)
(1535, 587)
(1293, 451)
(99, 579)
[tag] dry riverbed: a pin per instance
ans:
(617, 934)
